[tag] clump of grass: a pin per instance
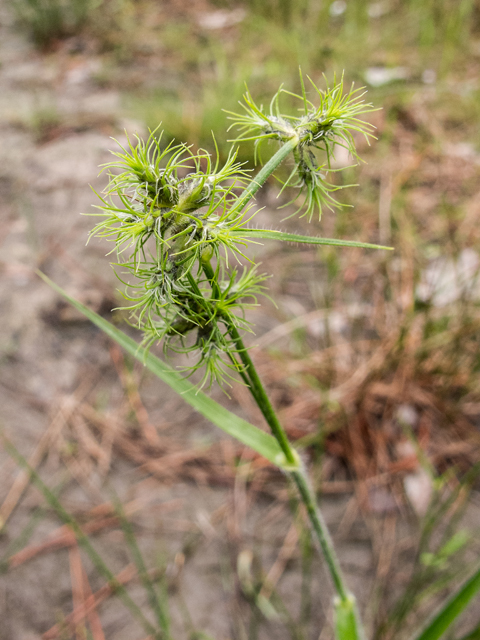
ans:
(47, 21)
(178, 219)
(108, 23)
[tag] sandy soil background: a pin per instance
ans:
(208, 515)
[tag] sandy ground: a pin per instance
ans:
(192, 522)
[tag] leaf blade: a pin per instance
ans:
(347, 624)
(261, 442)
(450, 611)
(273, 234)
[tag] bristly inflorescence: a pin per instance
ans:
(318, 128)
(176, 216)
(170, 211)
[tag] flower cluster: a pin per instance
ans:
(318, 129)
(176, 216)
(170, 211)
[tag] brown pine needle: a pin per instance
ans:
(90, 603)
(78, 592)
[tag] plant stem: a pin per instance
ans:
(209, 272)
(265, 173)
(260, 396)
(300, 478)
(321, 531)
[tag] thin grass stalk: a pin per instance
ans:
(449, 612)
(153, 597)
(257, 390)
(22, 539)
(300, 479)
(82, 539)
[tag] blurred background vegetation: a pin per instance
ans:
(187, 63)
(372, 358)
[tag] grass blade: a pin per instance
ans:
(154, 599)
(247, 433)
(450, 611)
(82, 539)
(273, 234)
(347, 625)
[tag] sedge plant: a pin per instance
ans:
(180, 221)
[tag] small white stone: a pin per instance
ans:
(337, 8)
(377, 9)
(446, 280)
(418, 488)
(408, 415)
(379, 76)
(221, 19)
(429, 76)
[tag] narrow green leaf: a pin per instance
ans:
(450, 611)
(83, 540)
(156, 603)
(347, 625)
(273, 234)
(247, 433)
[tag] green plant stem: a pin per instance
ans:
(321, 531)
(299, 476)
(260, 396)
(250, 374)
(264, 173)
(209, 272)
(450, 610)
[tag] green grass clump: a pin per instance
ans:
(49, 20)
